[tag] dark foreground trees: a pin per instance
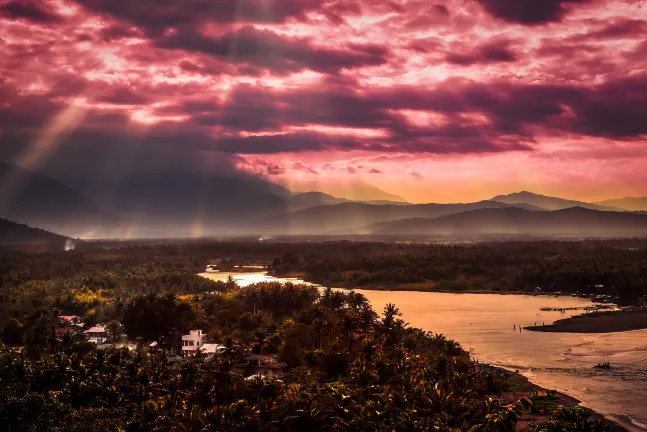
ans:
(156, 317)
(354, 371)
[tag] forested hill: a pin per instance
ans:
(12, 233)
(571, 222)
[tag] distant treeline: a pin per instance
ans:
(84, 282)
(617, 268)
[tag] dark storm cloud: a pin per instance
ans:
(123, 96)
(490, 52)
(529, 12)
(441, 9)
(289, 142)
(30, 10)
(267, 50)
(261, 120)
(19, 111)
(154, 16)
(616, 109)
(612, 109)
(252, 108)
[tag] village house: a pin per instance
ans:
(210, 349)
(264, 365)
(192, 342)
(97, 334)
(71, 320)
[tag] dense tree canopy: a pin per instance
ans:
(348, 368)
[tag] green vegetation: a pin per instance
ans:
(616, 268)
(348, 368)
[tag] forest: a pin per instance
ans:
(348, 368)
(616, 268)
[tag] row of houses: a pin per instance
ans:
(192, 343)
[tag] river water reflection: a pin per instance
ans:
(484, 324)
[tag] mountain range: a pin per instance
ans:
(168, 205)
(569, 222)
(550, 203)
(352, 217)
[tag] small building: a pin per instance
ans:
(97, 334)
(192, 342)
(264, 365)
(210, 349)
(71, 320)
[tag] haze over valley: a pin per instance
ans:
(228, 206)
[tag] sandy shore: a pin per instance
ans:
(598, 322)
(522, 387)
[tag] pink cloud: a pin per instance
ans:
(538, 83)
(416, 175)
(306, 168)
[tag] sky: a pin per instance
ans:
(435, 102)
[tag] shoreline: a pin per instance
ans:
(563, 399)
(419, 287)
(598, 322)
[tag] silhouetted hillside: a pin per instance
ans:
(574, 221)
(547, 202)
(305, 200)
(350, 218)
(629, 203)
(350, 189)
(12, 233)
(30, 198)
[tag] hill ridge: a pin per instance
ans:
(574, 221)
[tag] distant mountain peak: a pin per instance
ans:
(548, 202)
(568, 222)
(353, 190)
(626, 203)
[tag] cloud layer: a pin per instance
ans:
(297, 88)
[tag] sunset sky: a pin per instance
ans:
(454, 101)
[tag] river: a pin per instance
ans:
(484, 324)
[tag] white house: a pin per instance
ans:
(192, 342)
(210, 349)
(96, 334)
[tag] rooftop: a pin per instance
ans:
(96, 329)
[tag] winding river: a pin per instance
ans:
(484, 324)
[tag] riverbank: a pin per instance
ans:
(429, 287)
(598, 322)
(421, 287)
(546, 400)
